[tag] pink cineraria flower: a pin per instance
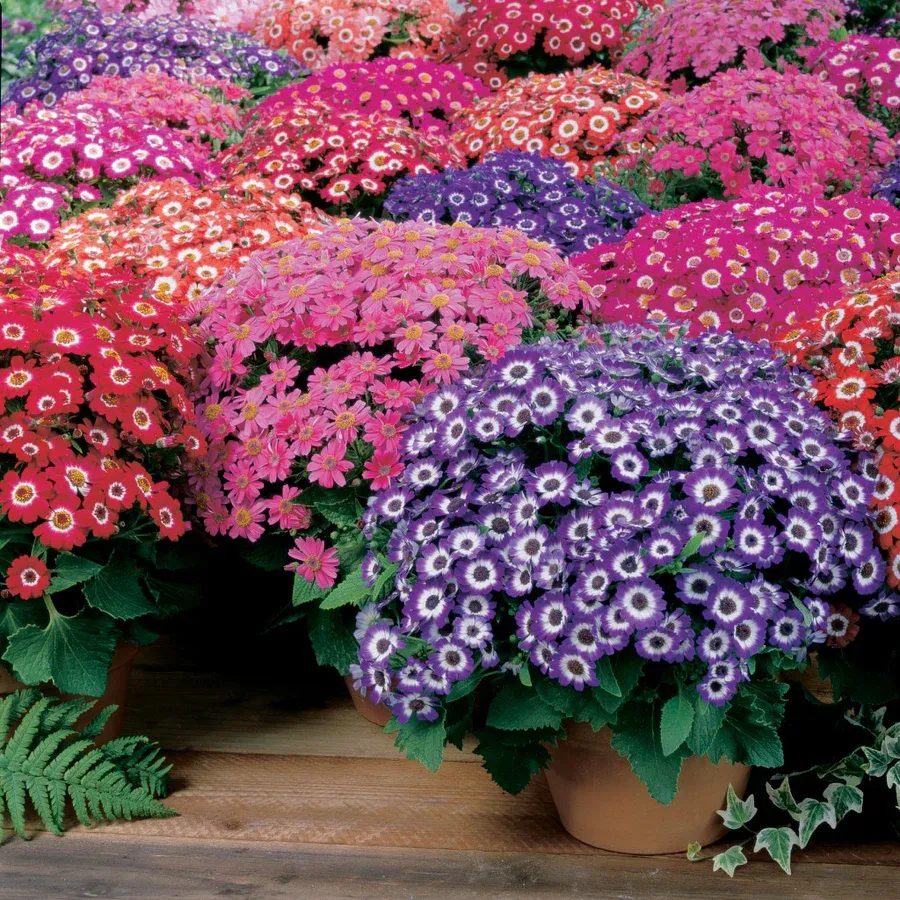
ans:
(315, 562)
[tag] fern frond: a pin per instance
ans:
(45, 762)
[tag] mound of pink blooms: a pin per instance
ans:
(346, 160)
(865, 70)
(422, 93)
(578, 117)
(56, 161)
(749, 266)
(690, 41)
(785, 129)
(497, 39)
(319, 347)
(233, 14)
(203, 109)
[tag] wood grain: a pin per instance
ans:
(98, 865)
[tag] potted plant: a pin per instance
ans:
(615, 537)
(92, 421)
(316, 349)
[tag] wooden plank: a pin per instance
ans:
(87, 865)
(217, 712)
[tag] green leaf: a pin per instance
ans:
(18, 613)
(691, 547)
(72, 652)
(465, 687)
(707, 722)
(617, 680)
(676, 722)
(339, 506)
(729, 860)
(607, 677)
(814, 813)
(269, 555)
(383, 580)
(582, 706)
(778, 842)
(844, 798)
(782, 798)
(877, 762)
(116, 591)
(71, 570)
(351, 590)
(737, 812)
(173, 593)
(525, 675)
(511, 766)
(422, 741)
(637, 738)
(518, 708)
(332, 640)
(694, 851)
(749, 731)
(305, 591)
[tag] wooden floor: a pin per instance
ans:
(279, 799)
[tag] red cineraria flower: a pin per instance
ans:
(27, 577)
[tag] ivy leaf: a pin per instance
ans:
(71, 570)
(877, 762)
(518, 708)
(511, 766)
(778, 842)
(332, 640)
(422, 741)
(844, 798)
(637, 739)
(737, 812)
(305, 591)
(814, 813)
(707, 722)
(729, 860)
(694, 851)
(72, 652)
(782, 798)
(352, 590)
(676, 722)
(116, 591)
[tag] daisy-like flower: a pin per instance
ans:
(27, 577)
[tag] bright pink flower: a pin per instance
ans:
(327, 467)
(315, 563)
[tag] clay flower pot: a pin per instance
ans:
(377, 713)
(116, 691)
(603, 803)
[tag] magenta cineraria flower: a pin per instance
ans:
(708, 514)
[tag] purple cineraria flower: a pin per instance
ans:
(571, 668)
(420, 705)
(381, 641)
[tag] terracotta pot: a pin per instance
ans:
(810, 678)
(377, 713)
(603, 803)
(116, 691)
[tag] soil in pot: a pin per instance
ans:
(603, 803)
(116, 691)
(377, 713)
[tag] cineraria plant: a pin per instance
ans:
(90, 43)
(874, 17)
(578, 117)
(92, 419)
(179, 239)
(319, 347)
(501, 39)
(887, 184)
(747, 265)
(689, 42)
(785, 129)
(422, 93)
(624, 530)
(235, 14)
(512, 189)
(55, 162)
(344, 161)
(865, 70)
(204, 110)
(320, 32)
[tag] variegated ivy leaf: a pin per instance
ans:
(737, 812)
(891, 746)
(814, 813)
(782, 798)
(877, 761)
(893, 776)
(778, 842)
(694, 851)
(844, 798)
(729, 860)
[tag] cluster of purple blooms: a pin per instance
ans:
(513, 189)
(92, 44)
(888, 185)
(873, 17)
(634, 491)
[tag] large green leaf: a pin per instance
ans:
(116, 590)
(676, 721)
(779, 843)
(71, 570)
(17, 614)
(331, 635)
(511, 765)
(73, 652)
(351, 591)
(637, 738)
(305, 591)
(707, 722)
(339, 506)
(422, 741)
(519, 708)
(582, 706)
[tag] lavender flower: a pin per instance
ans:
(887, 187)
(512, 189)
(691, 533)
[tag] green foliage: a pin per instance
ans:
(513, 758)
(737, 812)
(729, 860)
(47, 764)
(677, 720)
(519, 708)
(422, 741)
(331, 635)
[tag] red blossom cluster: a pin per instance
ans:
(345, 160)
(578, 117)
(854, 349)
(92, 392)
(747, 265)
